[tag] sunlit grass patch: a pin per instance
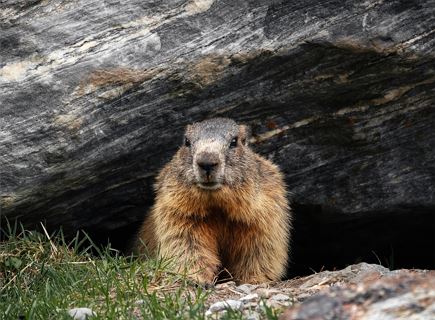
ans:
(41, 277)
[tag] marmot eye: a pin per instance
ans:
(187, 142)
(233, 143)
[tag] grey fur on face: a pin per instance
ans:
(210, 151)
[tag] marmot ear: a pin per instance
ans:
(186, 141)
(245, 134)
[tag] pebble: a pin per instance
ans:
(280, 297)
(81, 313)
(249, 297)
(245, 288)
(250, 302)
(253, 300)
(227, 304)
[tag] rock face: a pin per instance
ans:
(361, 291)
(402, 294)
(95, 94)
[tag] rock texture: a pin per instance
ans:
(401, 294)
(362, 291)
(95, 94)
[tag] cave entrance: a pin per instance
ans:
(330, 242)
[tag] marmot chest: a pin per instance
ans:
(218, 225)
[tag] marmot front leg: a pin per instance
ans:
(194, 249)
(255, 260)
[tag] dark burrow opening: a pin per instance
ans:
(400, 239)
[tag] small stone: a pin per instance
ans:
(280, 297)
(81, 313)
(249, 297)
(139, 302)
(245, 288)
(227, 304)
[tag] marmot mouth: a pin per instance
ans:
(209, 185)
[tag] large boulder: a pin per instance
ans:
(364, 292)
(95, 94)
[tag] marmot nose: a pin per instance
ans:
(207, 166)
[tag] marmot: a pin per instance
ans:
(220, 206)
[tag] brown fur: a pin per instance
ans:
(244, 226)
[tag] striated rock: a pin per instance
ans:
(317, 308)
(362, 291)
(95, 94)
(399, 295)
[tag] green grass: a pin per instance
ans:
(42, 276)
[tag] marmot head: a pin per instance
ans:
(214, 153)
